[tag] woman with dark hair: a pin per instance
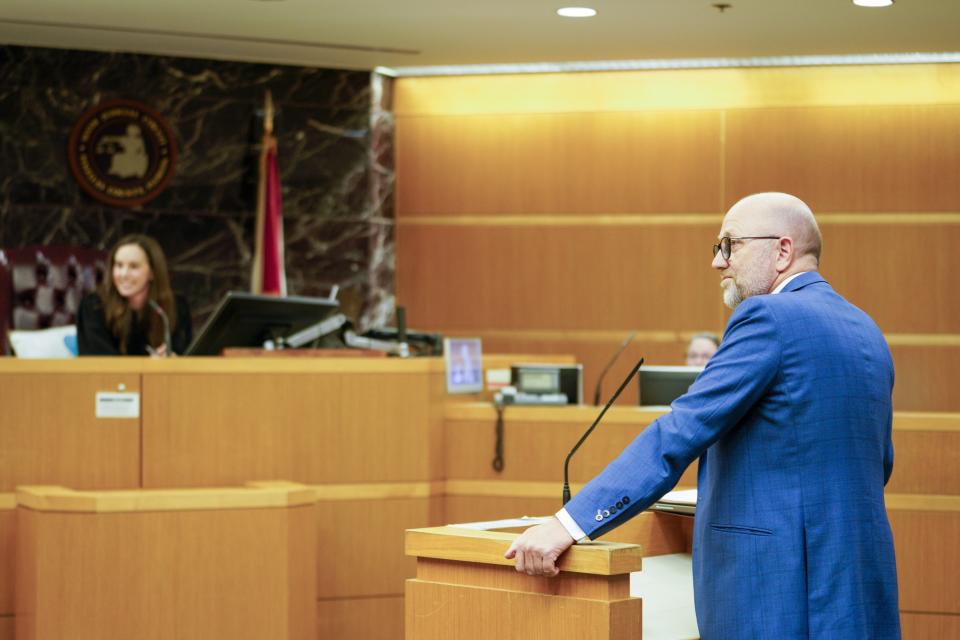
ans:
(123, 317)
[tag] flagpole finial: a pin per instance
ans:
(268, 112)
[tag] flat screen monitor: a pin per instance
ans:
(549, 379)
(250, 320)
(661, 385)
(464, 365)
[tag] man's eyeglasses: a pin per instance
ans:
(724, 246)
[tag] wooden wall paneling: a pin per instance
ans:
(536, 438)
(7, 624)
(377, 618)
(8, 546)
(925, 462)
(853, 142)
(51, 434)
(219, 429)
(926, 377)
(859, 158)
(215, 429)
(559, 277)
(535, 444)
(559, 163)
(929, 626)
(26, 575)
(435, 395)
(898, 273)
(904, 301)
(301, 592)
(385, 421)
(927, 559)
(360, 544)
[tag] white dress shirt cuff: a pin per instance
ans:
(571, 526)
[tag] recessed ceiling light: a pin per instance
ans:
(873, 3)
(577, 12)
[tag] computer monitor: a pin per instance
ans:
(661, 385)
(549, 379)
(464, 364)
(250, 320)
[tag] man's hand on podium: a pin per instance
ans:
(538, 548)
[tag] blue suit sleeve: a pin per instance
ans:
(734, 380)
(888, 451)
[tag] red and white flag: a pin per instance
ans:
(269, 276)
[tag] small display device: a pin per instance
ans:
(464, 365)
(548, 383)
(538, 380)
(661, 385)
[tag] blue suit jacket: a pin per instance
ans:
(792, 422)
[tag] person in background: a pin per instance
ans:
(122, 317)
(702, 346)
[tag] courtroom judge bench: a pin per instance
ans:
(384, 449)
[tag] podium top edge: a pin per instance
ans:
(488, 547)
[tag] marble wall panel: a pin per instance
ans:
(335, 132)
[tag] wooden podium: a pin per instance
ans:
(466, 589)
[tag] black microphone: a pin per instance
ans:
(566, 464)
(166, 325)
(596, 392)
(403, 347)
(401, 324)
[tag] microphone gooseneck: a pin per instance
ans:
(596, 391)
(497, 463)
(166, 325)
(404, 348)
(566, 464)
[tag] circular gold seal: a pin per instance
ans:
(122, 153)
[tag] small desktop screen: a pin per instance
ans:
(661, 385)
(464, 365)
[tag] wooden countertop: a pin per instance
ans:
(256, 495)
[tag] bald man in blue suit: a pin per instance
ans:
(791, 420)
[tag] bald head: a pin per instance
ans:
(782, 214)
(764, 239)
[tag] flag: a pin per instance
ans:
(268, 274)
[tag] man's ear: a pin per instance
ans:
(785, 253)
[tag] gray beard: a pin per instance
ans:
(732, 296)
(751, 286)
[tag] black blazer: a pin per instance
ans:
(95, 339)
